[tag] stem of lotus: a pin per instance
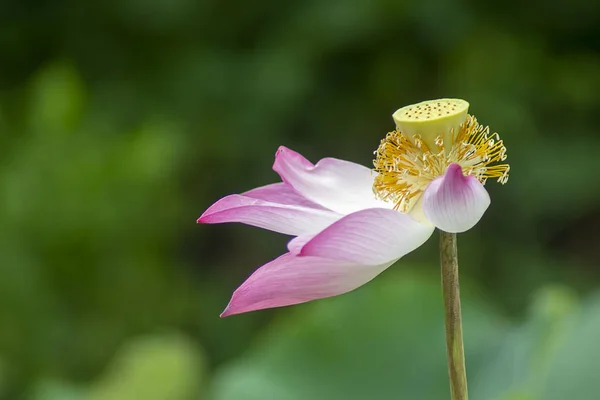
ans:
(452, 317)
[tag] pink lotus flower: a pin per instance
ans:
(351, 223)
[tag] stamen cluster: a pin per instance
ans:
(406, 165)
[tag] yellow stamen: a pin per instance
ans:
(431, 136)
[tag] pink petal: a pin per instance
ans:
(296, 244)
(338, 185)
(454, 202)
(281, 193)
(291, 280)
(282, 218)
(372, 237)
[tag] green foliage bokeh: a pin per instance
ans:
(121, 121)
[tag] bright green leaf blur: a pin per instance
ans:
(121, 121)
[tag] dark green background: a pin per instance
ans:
(122, 120)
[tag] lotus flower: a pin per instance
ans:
(351, 222)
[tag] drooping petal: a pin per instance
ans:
(282, 218)
(338, 185)
(281, 193)
(372, 237)
(454, 202)
(292, 279)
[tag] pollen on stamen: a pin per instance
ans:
(488, 149)
(405, 166)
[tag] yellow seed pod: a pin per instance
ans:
(432, 119)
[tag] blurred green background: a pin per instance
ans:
(122, 120)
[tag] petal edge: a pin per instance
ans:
(372, 236)
(338, 185)
(282, 218)
(291, 279)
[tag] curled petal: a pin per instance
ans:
(282, 218)
(338, 185)
(372, 237)
(292, 279)
(454, 202)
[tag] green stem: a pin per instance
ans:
(452, 317)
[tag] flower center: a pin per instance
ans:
(425, 143)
